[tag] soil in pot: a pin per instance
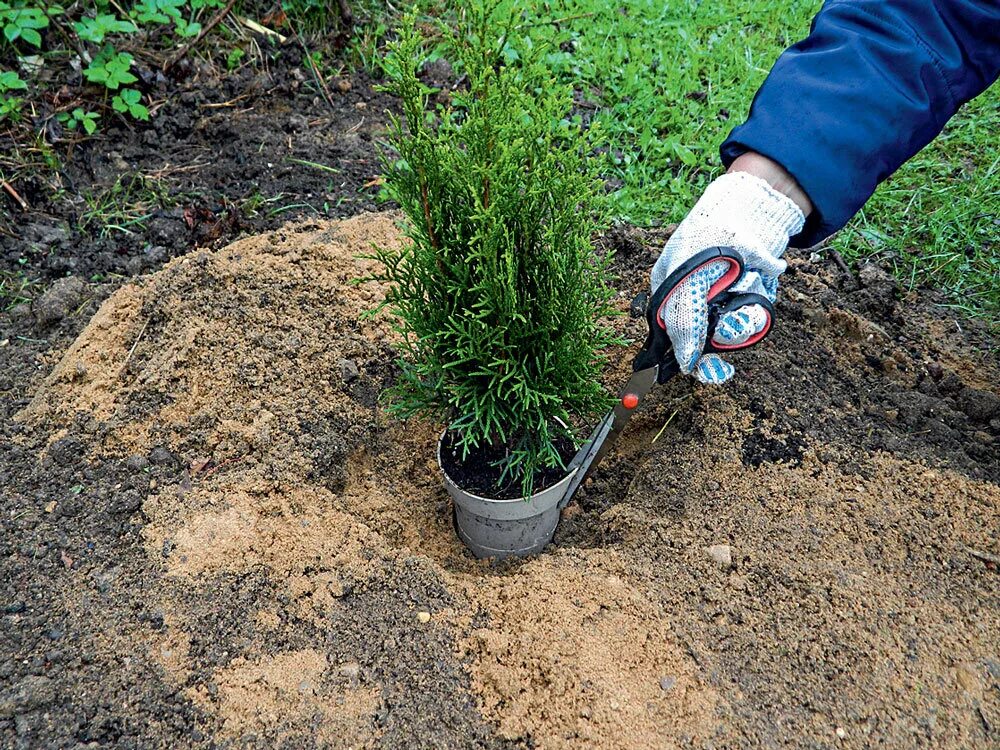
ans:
(479, 472)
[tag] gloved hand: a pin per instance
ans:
(742, 212)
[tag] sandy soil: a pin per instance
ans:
(804, 559)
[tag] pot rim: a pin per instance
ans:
(500, 501)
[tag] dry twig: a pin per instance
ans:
(134, 345)
(15, 195)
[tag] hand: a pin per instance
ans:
(743, 212)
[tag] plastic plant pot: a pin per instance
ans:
(505, 528)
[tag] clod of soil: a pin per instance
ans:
(241, 543)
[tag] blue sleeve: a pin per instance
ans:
(874, 82)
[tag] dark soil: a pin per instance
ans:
(222, 157)
(481, 473)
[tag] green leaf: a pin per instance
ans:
(95, 29)
(31, 37)
(129, 101)
(10, 81)
(111, 68)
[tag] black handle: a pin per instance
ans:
(728, 302)
(657, 349)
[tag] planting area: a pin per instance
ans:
(212, 535)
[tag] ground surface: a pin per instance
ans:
(213, 536)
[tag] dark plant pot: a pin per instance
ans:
(505, 528)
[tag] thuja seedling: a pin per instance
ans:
(501, 296)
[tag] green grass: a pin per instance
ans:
(937, 221)
(17, 287)
(667, 80)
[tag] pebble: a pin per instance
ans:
(61, 299)
(721, 554)
(667, 683)
(160, 456)
(424, 616)
(349, 370)
(351, 672)
(136, 463)
(343, 85)
(841, 733)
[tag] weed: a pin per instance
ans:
(78, 118)
(10, 106)
(125, 206)
(23, 20)
(16, 287)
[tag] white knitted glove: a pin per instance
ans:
(737, 211)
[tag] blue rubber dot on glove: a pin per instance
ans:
(713, 370)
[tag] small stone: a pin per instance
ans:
(342, 85)
(361, 106)
(66, 451)
(935, 370)
(136, 463)
(297, 123)
(667, 683)
(50, 506)
(637, 308)
(721, 554)
(349, 370)
(160, 456)
(61, 299)
(841, 733)
(712, 486)
(424, 617)
(350, 671)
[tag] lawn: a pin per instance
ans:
(668, 80)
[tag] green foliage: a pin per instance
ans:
(501, 295)
(110, 68)
(129, 101)
(79, 118)
(22, 20)
(936, 222)
(95, 29)
(234, 57)
(10, 106)
(167, 11)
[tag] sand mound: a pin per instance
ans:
(249, 378)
